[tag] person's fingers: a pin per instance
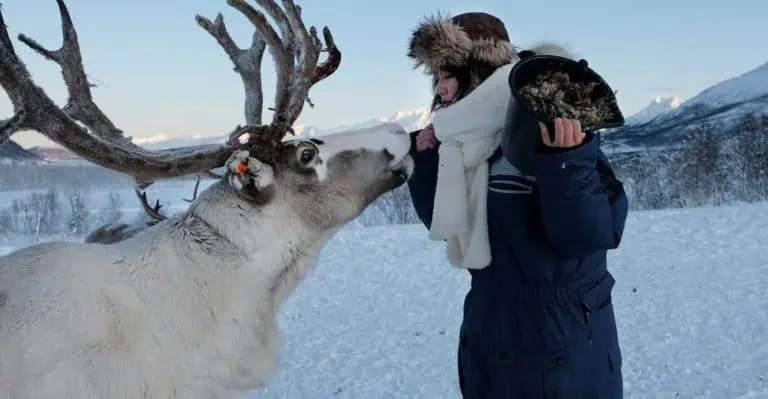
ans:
(580, 135)
(569, 136)
(545, 135)
(559, 132)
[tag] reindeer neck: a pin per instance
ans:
(268, 236)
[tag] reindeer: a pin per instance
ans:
(187, 307)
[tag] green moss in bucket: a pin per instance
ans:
(554, 95)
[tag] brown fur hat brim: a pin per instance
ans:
(438, 42)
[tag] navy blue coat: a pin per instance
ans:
(539, 321)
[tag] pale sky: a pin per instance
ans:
(160, 73)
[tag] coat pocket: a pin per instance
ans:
(603, 341)
(614, 359)
(612, 386)
(599, 295)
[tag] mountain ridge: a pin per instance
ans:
(665, 121)
(12, 151)
(721, 105)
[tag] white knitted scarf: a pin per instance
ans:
(470, 132)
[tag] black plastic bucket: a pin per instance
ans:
(521, 130)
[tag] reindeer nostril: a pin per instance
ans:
(388, 155)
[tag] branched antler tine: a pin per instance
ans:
(194, 193)
(13, 73)
(331, 63)
(137, 163)
(153, 212)
(284, 63)
(305, 54)
(80, 104)
(333, 60)
(289, 45)
(254, 94)
(5, 39)
(309, 43)
(12, 125)
(41, 114)
(293, 14)
(247, 63)
(38, 48)
(281, 19)
(218, 30)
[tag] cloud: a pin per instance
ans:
(666, 89)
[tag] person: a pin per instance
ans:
(538, 319)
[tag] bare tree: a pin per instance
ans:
(24, 175)
(37, 214)
(111, 212)
(187, 307)
(7, 224)
(78, 201)
(397, 208)
(716, 164)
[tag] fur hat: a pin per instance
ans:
(468, 39)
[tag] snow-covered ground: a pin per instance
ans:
(379, 316)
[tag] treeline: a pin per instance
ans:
(715, 165)
(26, 175)
(67, 212)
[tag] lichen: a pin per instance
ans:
(554, 95)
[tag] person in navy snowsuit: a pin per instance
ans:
(538, 321)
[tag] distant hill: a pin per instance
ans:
(10, 150)
(665, 122)
(54, 153)
(722, 104)
(410, 120)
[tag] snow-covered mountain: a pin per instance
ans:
(659, 106)
(738, 89)
(722, 104)
(410, 120)
(663, 122)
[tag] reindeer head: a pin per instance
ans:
(325, 181)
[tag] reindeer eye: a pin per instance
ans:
(307, 156)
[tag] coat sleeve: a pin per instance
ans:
(423, 181)
(583, 205)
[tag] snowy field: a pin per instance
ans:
(379, 317)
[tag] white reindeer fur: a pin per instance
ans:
(185, 309)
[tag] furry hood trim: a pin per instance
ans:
(467, 40)
(440, 41)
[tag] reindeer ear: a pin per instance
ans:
(246, 173)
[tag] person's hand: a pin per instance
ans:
(568, 133)
(426, 138)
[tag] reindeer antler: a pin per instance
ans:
(247, 64)
(152, 211)
(293, 82)
(194, 193)
(104, 143)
